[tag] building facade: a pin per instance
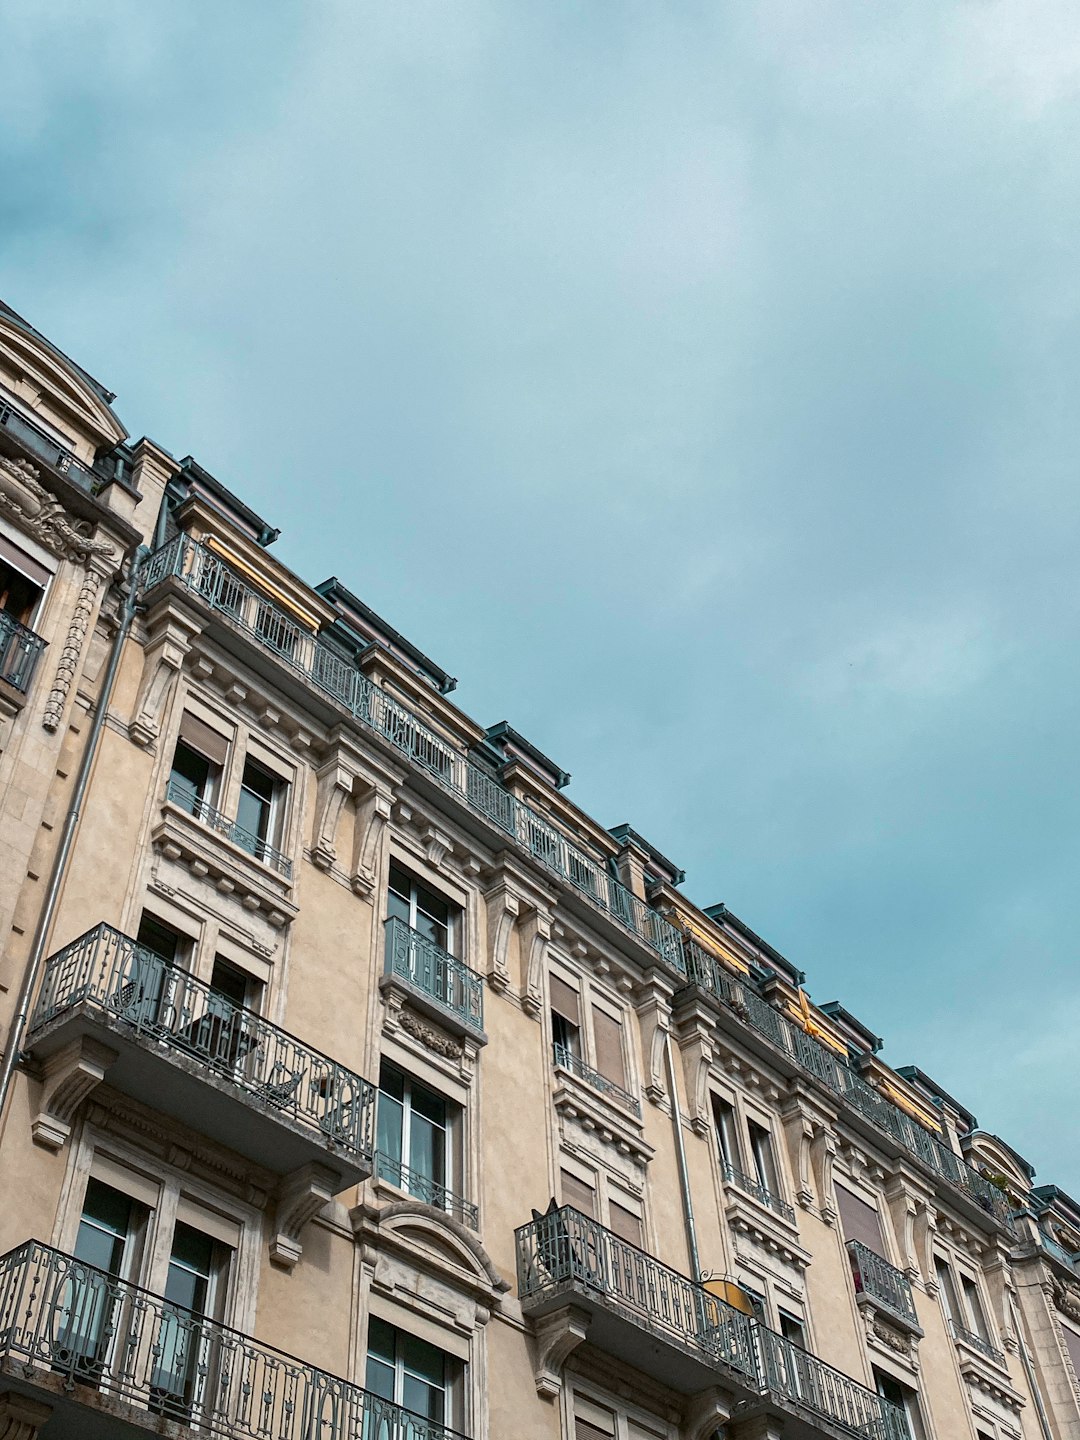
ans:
(359, 1086)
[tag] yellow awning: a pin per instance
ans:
(308, 620)
(911, 1107)
(803, 1017)
(708, 943)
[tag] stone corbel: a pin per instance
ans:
(799, 1134)
(706, 1414)
(301, 1196)
(905, 1204)
(822, 1158)
(693, 1033)
(437, 845)
(535, 939)
(555, 1337)
(654, 1014)
(334, 786)
(503, 908)
(170, 633)
(20, 1417)
(373, 810)
(69, 1077)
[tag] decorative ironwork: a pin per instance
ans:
(36, 438)
(184, 797)
(73, 1321)
(205, 575)
(19, 651)
(977, 1342)
(574, 1063)
(883, 1283)
(565, 1248)
(422, 1187)
(436, 973)
(143, 994)
(830, 1070)
(752, 1186)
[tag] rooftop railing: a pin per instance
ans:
(881, 1282)
(96, 1332)
(819, 1061)
(574, 1063)
(565, 1247)
(182, 795)
(750, 1185)
(201, 571)
(144, 994)
(19, 651)
(436, 973)
(422, 1187)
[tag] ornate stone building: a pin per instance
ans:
(359, 1086)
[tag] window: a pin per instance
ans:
(565, 1020)
(22, 584)
(859, 1221)
(906, 1401)
(593, 1421)
(577, 1193)
(417, 1135)
(608, 1047)
(792, 1328)
(727, 1132)
(587, 1038)
(962, 1303)
(624, 1220)
(761, 1149)
(258, 812)
(760, 1176)
(421, 908)
(973, 1304)
(197, 765)
(194, 1289)
(412, 1373)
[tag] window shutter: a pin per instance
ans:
(201, 737)
(625, 1223)
(565, 1000)
(859, 1221)
(25, 564)
(575, 1192)
(592, 1421)
(584, 1430)
(607, 1037)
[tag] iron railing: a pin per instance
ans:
(752, 1186)
(75, 1322)
(198, 569)
(977, 1342)
(19, 651)
(881, 1282)
(436, 973)
(567, 1060)
(1058, 1251)
(141, 993)
(827, 1067)
(422, 1187)
(36, 438)
(182, 795)
(565, 1247)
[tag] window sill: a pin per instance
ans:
(577, 1103)
(180, 837)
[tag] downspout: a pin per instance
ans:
(1029, 1371)
(32, 973)
(684, 1174)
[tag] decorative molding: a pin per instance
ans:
(171, 629)
(1066, 1297)
(653, 1006)
(503, 908)
(20, 1417)
(69, 1076)
(430, 1036)
(373, 809)
(536, 932)
(72, 648)
(300, 1198)
(41, 515)
(334, 784)
(555, 1338)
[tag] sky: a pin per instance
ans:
(696, 381)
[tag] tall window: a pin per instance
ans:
(420, 908)
(195, 1290)
(727, 1132)
(259, 809)
(961, 1302)
(565, 1019)
(411, 1372)
(906, 1401)
(859, 1221)
(21, 584)
(197, 765)
(416, 1139)
(761, 1149)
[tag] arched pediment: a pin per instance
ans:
(65, 396)
(999, 1162)
(434, 1242)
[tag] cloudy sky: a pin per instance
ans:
(696, 380)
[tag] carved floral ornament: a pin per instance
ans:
(1066, 1297)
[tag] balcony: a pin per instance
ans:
(421, 1187)
(438, 982)
(40, 443)
(882, 1285)
(115, 1360)
(664, 1325)
(809, 1055)
(567, 1060)
(203, 1059)
(754, 1188)
(19, 652)
(243, 610)
(182, 796)
(976, 1342)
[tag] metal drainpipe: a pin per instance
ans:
(1025, 1360)
(684, 1174)
(32, 972)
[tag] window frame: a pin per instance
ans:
(453, 1132)
(745, 1120)
(583, 1047)
(455, 1388)
(455, 911)
(607, 1190)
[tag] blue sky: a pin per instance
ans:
(696, 381)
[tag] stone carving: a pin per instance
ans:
(72, 647)
(894, 1339)
(20, 1417)
(430, 1036)
(1066, 1298)
(42, 515)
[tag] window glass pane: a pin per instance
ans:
(398, 906)
(427, 1149)
(390, 1125)
(425, 1102)
(381, 1337)
(975, 1309)
(253, 814)
(104, 1227)
(427, 1400)
(190, 1268)
(229, 981)
(379, 1378)
(726, 1133)
(400, 882)
(434, 906)
(191, 773)
(161, 939)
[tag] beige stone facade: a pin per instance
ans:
(364, 1088)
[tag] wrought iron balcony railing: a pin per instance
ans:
(752, 1186)
(422, 1187)
(434, 972)
(810, 1055)
(182, 795)
(142, 994)
(976, 1342)
(565, 1248)
(567, 1060)
(36, 438)
(19, 651)
(63, 1318)
(201, 572)
(881, 1282)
